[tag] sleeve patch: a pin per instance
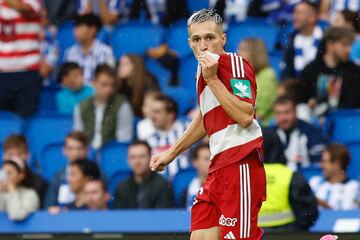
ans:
(241, 88)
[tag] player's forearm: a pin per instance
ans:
(193, 133)
(240, 111)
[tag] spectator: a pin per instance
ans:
(231, 10)
(168, 130)
(135, 81)
(254, 50)
(107, 10)
(73, 89)
(294, 89)
(201, 162)
(96, 194)
(59, 192)
(302, 142)
(145, 127)
(60, 10)
(290, 204)
(329, 8)
(89, 52)
(334, 190)
(20, 56)
(81, 172)
(16, 146)
(144, 189)
(279, 11)
(106, 116)
(331, 81)
(305, 41)
(17, 196)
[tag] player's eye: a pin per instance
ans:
(196, 39)
(210, 38)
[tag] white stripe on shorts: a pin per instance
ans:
(245, 201)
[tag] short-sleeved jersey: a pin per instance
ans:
(229, 142)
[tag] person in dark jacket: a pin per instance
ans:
(290, 204)
(332, 80)
(144, 188)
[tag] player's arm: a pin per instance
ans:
(240, 111)
(193, 133)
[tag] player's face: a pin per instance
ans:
(95, 196)
(285, 115)
(206, 36)
(139, 159)
(104, 86)
(75, 150)
(202, 162)
(328, 167)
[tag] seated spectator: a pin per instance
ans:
(332, 80)
(144, 189)
(145, 127)
(89, 52)
(305, 41)
(108, 11)
(96, 195)
(21, 82)
(168, 130)
(16, 146)
(17, 195)
(73, 89)
(81, 172)
(329, 8)
(302, 142)
(106, 116)
(135, 81)
(254, 50)
(290, 204)
(294, 89)
(59, 192)
(201, 162)
(334, 190)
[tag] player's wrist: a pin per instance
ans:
(211, 79)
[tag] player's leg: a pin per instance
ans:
(206, 234)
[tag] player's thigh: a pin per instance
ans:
(206, 234)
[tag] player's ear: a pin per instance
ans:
(224, 39)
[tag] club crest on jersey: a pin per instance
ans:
(241, 88)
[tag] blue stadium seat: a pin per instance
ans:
(183, 97)
(48, 99)
(161, 73)
(42, 130)
(135, 39)
(187, 73)
(195, 5)
(113, 158)
(181, 182)
(10, 123)
(353, 170)
(276, 62)
(65, 37)
(251, 28)
(177, 39)
(310, 172)
(1, 153)
(52, 160)
(116, 179)
(343, 126)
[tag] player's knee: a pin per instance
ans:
(205, 234)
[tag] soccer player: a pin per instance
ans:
(228, 203)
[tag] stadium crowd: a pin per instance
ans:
(123, 98)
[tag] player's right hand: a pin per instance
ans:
(159, 161)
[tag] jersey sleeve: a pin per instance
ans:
(238, 76)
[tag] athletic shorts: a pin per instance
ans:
(231, 198)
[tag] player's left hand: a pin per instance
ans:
(209, 66)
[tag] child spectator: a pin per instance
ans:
(16, 146)
(106, 116)
(17, 195)
(334, 190)
(135, 81)
(74, 91)
(254, 50)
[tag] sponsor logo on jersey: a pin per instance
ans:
(229, 235)
(241, 88)
(228, 222)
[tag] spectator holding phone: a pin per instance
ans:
(17, 195)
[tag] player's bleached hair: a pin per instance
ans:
(204, 15)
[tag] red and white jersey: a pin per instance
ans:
(19, 38)
(229, 142)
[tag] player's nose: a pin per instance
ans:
(203, 46)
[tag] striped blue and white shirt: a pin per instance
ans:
(161, 141)
(340, 5)
(99, 53)
(340, 196)
(114, 6)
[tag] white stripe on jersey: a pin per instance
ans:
(232, 65)
(242, 68)
(237, 66)
(245, 201)
(232, 136)
(208, 101)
